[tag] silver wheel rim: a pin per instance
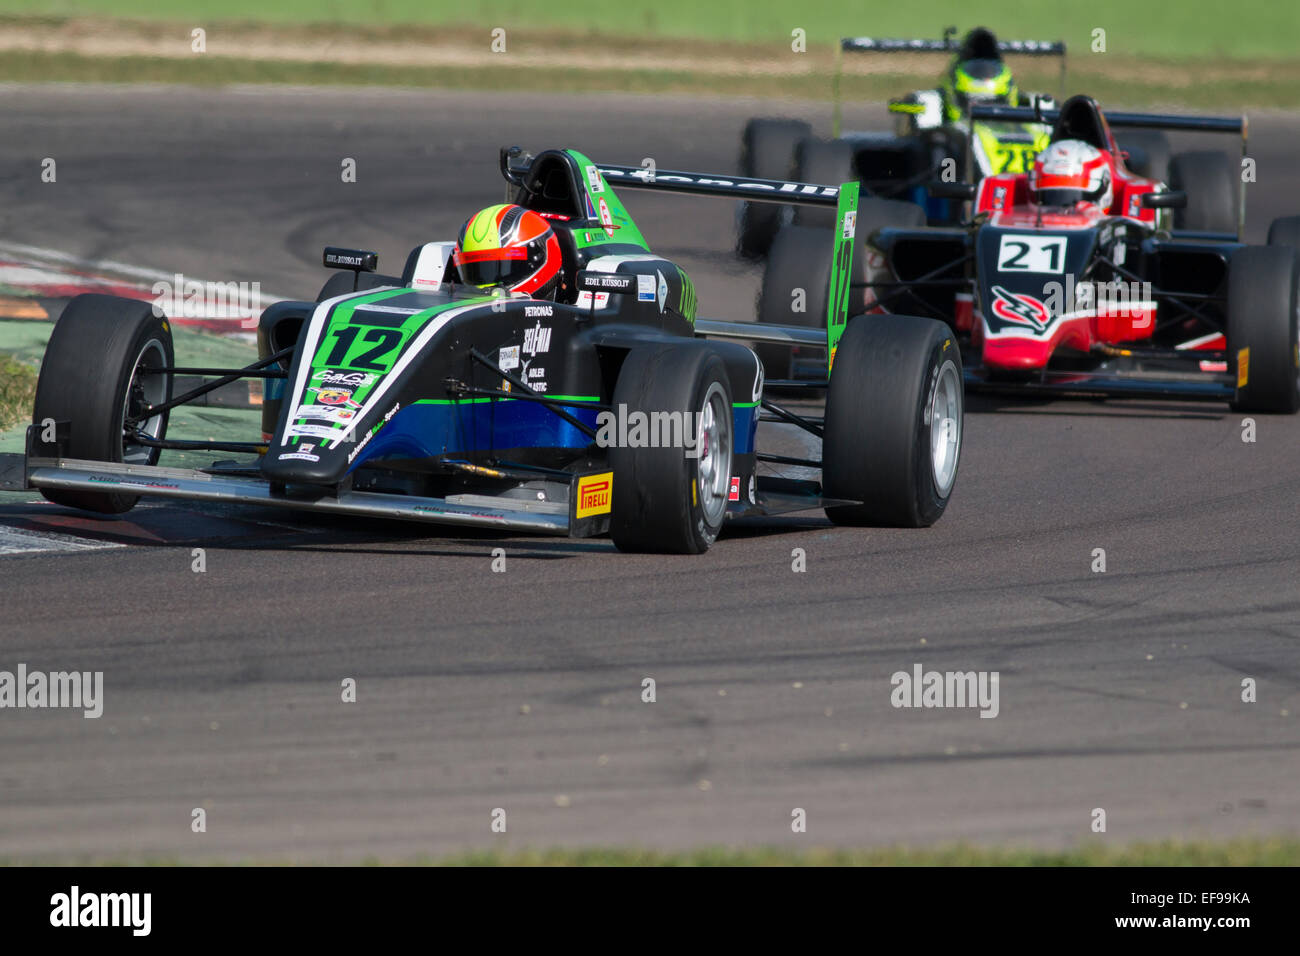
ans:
(143, 391)
(713, 440)
(945, 416)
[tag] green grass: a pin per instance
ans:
(17, 391)
(1244, 29)
(1275, 851)
(1222, 89)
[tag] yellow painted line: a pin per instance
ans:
(12, 308)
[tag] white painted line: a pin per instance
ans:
(96, 265)
(20, 541)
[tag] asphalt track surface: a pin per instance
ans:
(522, 690)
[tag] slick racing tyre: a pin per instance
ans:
(96, 377)
(825, 163)
(893, 429)
(1148, 153)
(1285, 231)
(796, 281)
(800, 258)
(672, 499)
(766, 152)
(1211, 187)
(1263, 347)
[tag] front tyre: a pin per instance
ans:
(670, 499)
(97, 376)
(894, 421)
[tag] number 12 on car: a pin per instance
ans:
(384, 341)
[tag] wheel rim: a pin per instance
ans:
(945, 417)
(142, 391)
(713, 442)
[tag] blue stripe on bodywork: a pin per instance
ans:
(429, 429)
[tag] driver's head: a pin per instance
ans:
(510, 247)
(1069, 172)
(978, 75)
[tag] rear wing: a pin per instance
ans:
(949, 44)
(724, 187)
(1239, 125)
(843, 198)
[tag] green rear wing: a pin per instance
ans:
(843, 197)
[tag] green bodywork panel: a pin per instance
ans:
(357, 349)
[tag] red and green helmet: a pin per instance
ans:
(511, 247)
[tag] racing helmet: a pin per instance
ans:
(1068, 172)
(978, 75)
(511, 247)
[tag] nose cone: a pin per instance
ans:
(308, 461)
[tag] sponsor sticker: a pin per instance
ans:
(593, 177)
(314, 431)
(334, 396)
(508, 358)
(595, 493)
(329, 376)
(606, 219)
(302, 454)
(850, 223)
(661, 293)
(1243, 367)
(645, 288)
(537, 339)
(734, 493)
(1019, 309)
(325, 412)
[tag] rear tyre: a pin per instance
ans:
(1262, 335)
(766, 152)
(1149, 153)
(827, 163)
(1211, 186)
(664, 501)
(800, 259)
(94, 376)
(1285, 231)
(893, 426)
